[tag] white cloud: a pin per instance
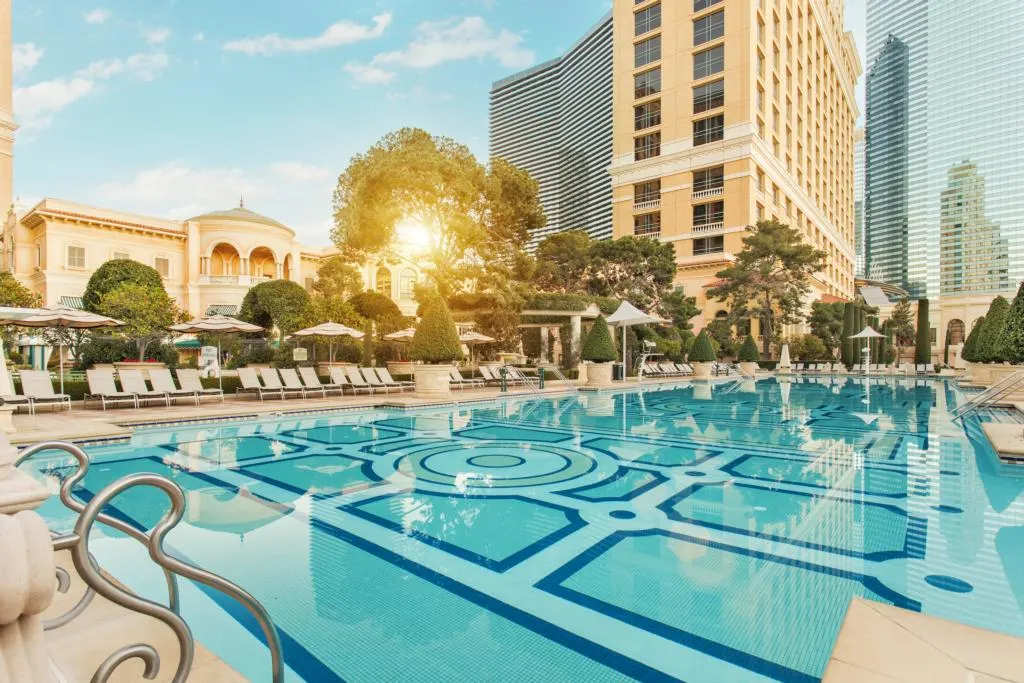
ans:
(157, 36)
(340, 33)
(199, 37)
(366, 73)
(26, 56)
(36, 105)
(437, 42)
(97, 16)
(145, 66)
(296, 193)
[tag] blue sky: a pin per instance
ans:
(174, 107)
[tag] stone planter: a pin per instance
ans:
(324, 369)
(748, 369)
(599, 374)
(432, 381)
(701, 370)
(401, 367)
(997, 372)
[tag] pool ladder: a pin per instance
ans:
(990, 396)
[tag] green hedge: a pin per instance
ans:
(988, 349)
(702, 351)
(436, 340)
(1011, 341)
(923, 342)
(748, 351)
(599, 347)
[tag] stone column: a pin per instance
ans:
(575, 330)
(543, 345)
(28, 580)
(195, 266)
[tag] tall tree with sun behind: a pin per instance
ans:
(470, 222)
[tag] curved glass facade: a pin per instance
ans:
(945, 136)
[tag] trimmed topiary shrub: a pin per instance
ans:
(846, 343)
(115, 273)
(748, 352)
(598, 346)
(988, 350)
(1011, 341)
(436, 340)
(702, 351)
(970, 350)
(923, 342)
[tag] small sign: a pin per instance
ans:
(300, 355)
(209, 365)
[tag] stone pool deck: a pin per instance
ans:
(884, 644)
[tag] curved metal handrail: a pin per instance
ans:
(78, 544)
(70, 502)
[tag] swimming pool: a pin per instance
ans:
(679, 532)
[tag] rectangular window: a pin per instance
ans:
(709, 96)
(708, 130)
(647, 51)
(704, 214)
(647, 192)
(120, 256)
(699, 5)
(162, 266)
(647, 146)
(646, 20)
(647, 224)
(709, 245)
(708, 62)
(647, 83)
(709, 28)
(647, 115)
(709, 179)
(75, 257)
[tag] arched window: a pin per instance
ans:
(408, 284)
(384, 281)
(743, 327)
(721, 315)
(955, 331)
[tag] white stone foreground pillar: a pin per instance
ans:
(27, 573)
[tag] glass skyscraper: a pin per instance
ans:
(944, 206)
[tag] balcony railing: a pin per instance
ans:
(233, 280)
(708, 227)
(649, 204)
(710, 192)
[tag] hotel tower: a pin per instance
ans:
(727, 112)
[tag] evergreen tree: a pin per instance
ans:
(988, 349)
(848, 331)
(702, 351)
(598, 346)
(748, 352)
(436, 340)
(923, 345)
(970, 350)
(1011, 341)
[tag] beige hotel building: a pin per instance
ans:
(727, 112)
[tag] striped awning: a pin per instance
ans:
(222, 309)
(74, 302)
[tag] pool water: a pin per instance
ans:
(680, 532)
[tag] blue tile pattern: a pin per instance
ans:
(669, 533)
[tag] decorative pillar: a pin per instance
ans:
(575, 324)
(279, 270)
(543, 345)
(28, 580)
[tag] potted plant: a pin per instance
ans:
(436, 346)
(748, 357)
(702, 355)
(599, 352)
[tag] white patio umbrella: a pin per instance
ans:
(867, 333)
(472, 339)
(330, 330)
(215, 324)
(784, 361)
(628, 315)
(402, 335)
(63, 319)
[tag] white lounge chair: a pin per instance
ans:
(293, 383)
(190, 381)
(272, 380)
(162, 381)
(11, 397)
(312, 382)
(37, 386)
(374, 381)
(385, 376)
(103, 389)
(359, 382)
(132, 381)
(251, 385)
(340, 378)
(490, 379)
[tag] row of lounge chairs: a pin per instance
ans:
(667, 369)
(304, 382)
(135, 392)
(918, 369)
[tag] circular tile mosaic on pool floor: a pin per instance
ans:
(494, 465)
